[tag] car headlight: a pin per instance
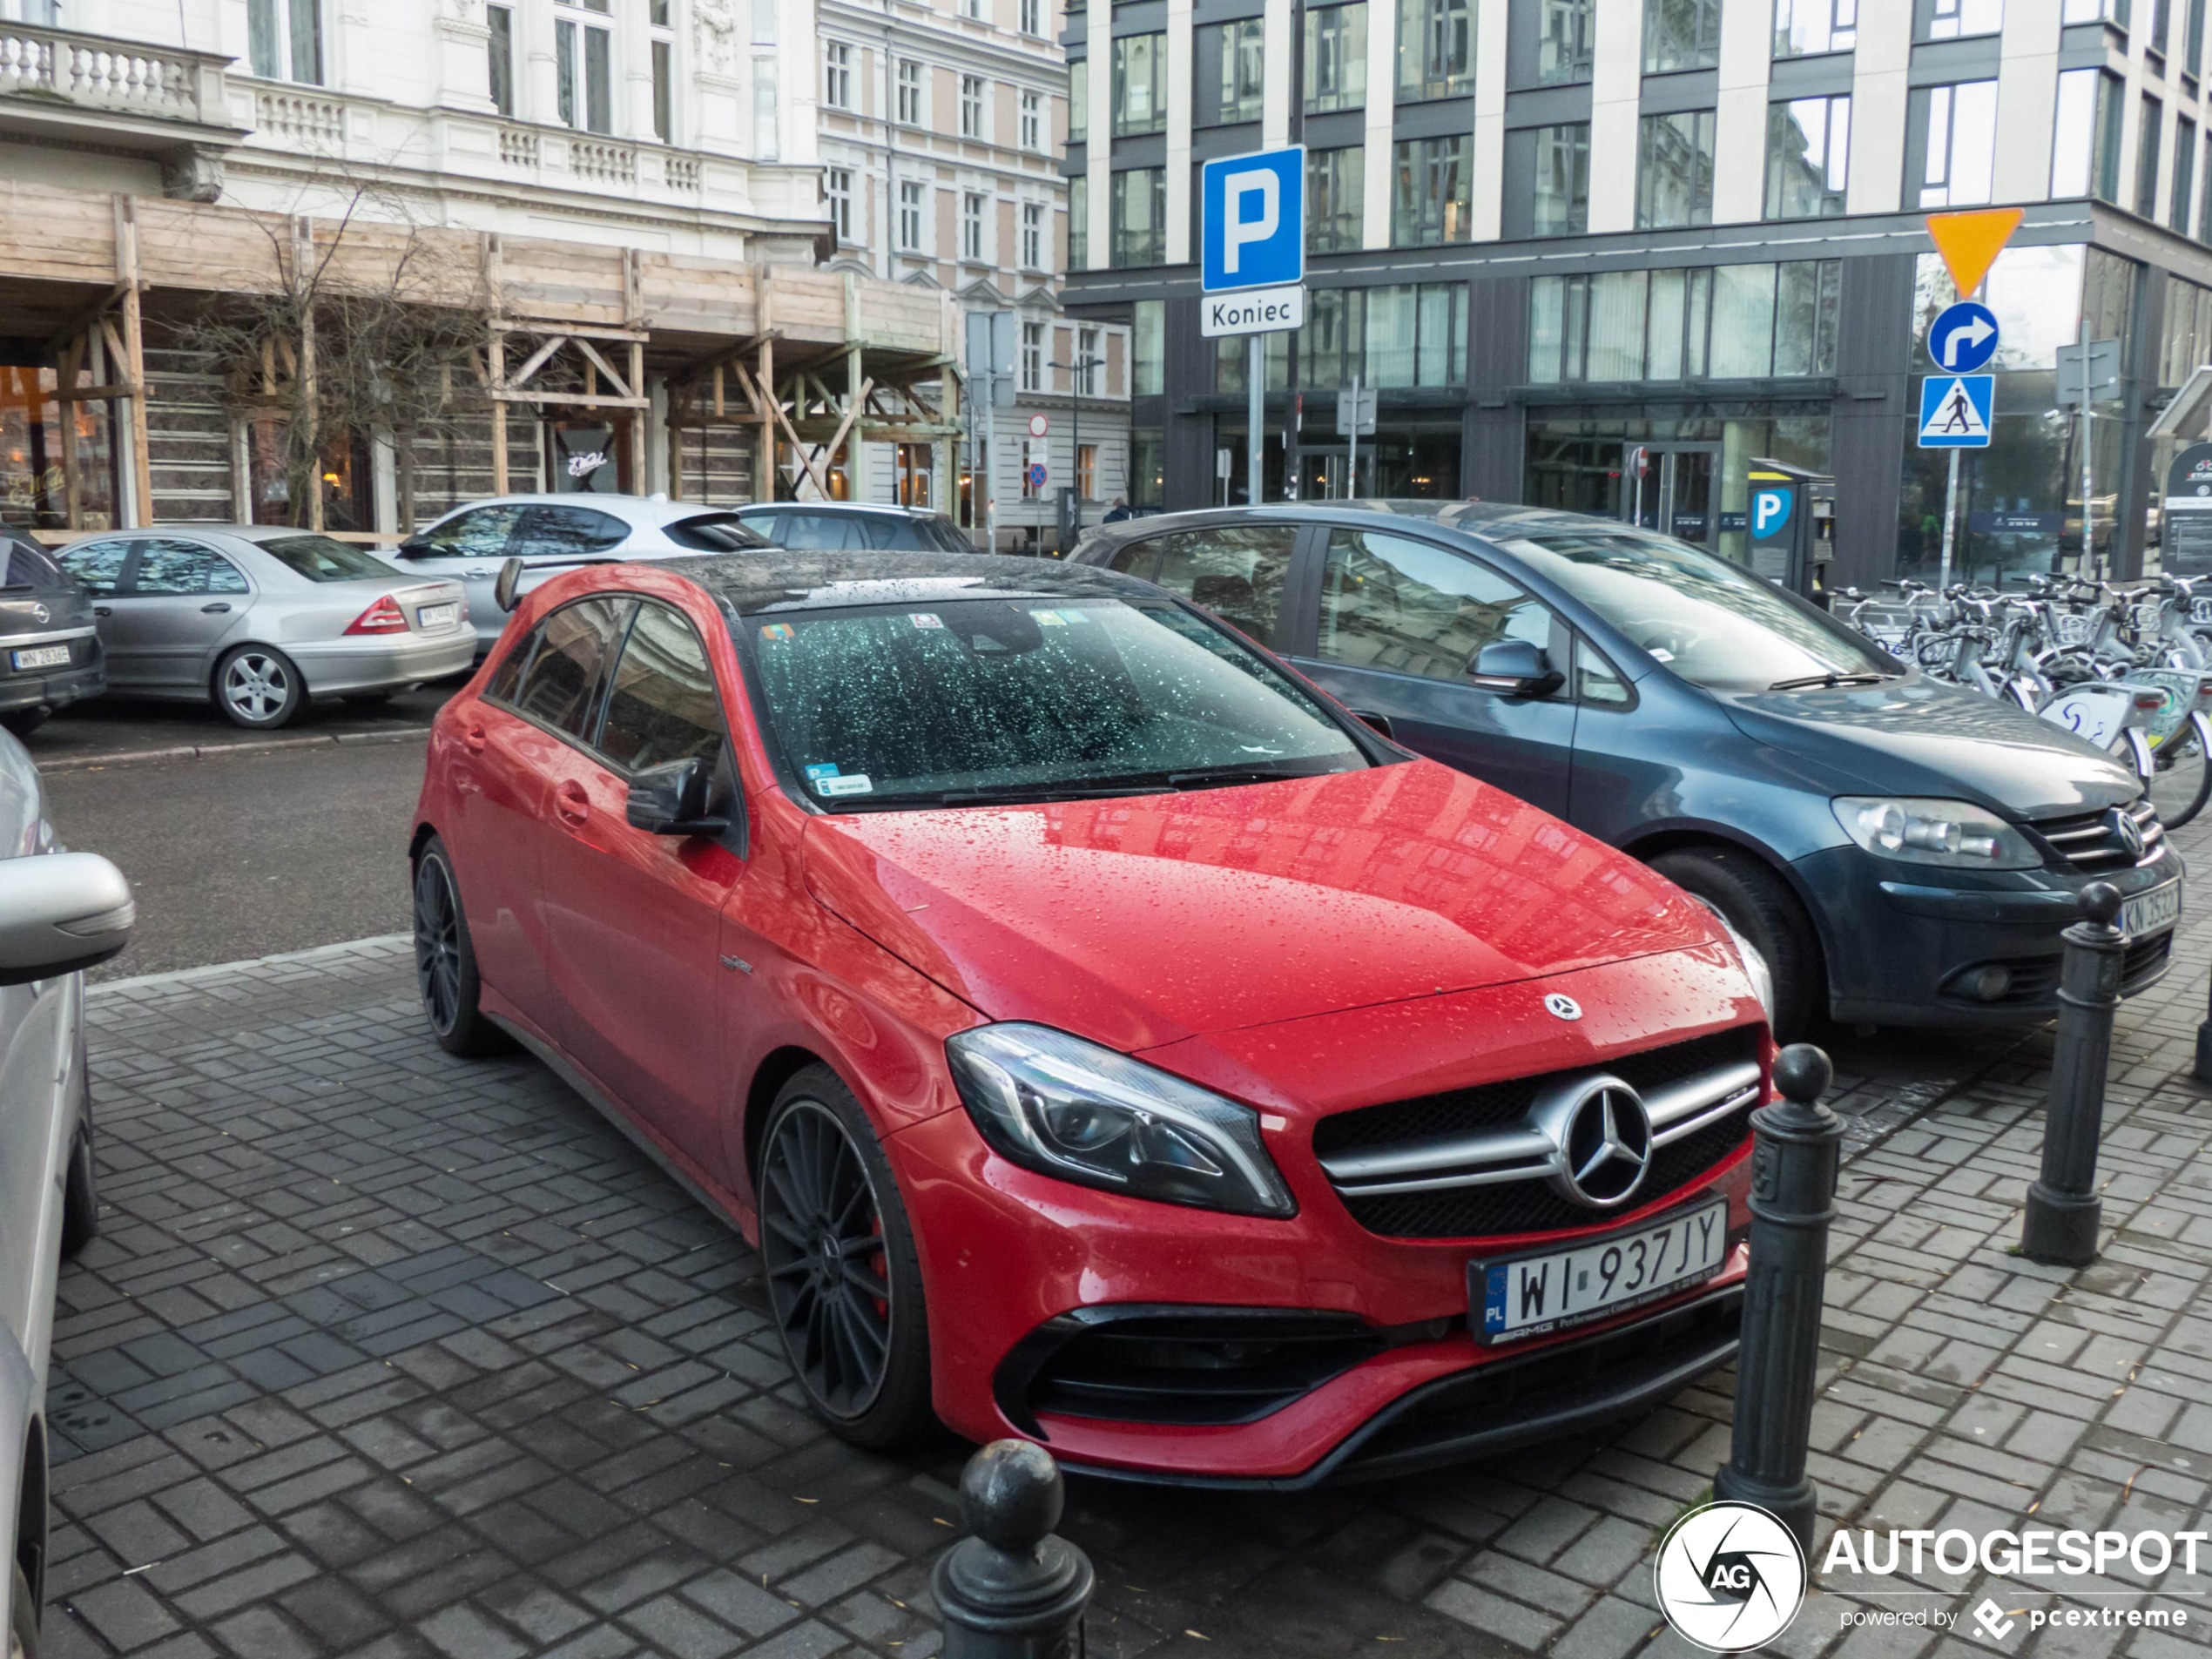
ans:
(1063, 1107)
(1953, 833)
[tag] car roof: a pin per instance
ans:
(1484, 519)
(776, 580)
(838, 509)
(638, 510)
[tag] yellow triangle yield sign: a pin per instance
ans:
(1971, 242)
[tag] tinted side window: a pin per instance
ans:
(1236, 571)
(716, 533)
(662, 706)
(816, 532)
(97, 565)
(1135, 558)
(26, 564)
(901, 534)
(480, 535)
(560, 687)
(1392, 603)
(173, 566)
(506, 678)
(566, 532)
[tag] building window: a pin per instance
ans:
(500, 48)
(584, 74)
(1334, 186)
(837, 191)
(1032, 16)
(1078, 101)
(1959, 148)
(1336, 58)
(1807, 27)
(837, 76)
(1079, 221)
(1033, 356)
(1417, 335)
(1562, 205)
(1139, 212)
(1808, 157)
(2094, 11)
(972, 9)
(1565, 40)
(283, 39)
(1140, 84)
(909, 91)
(2184, 173)
(1033, 120)
(1087, 471)
(972, 206)
(2193, 41)
(2204, 208)
(1681, 34)
(1733, 322)
(971, 106)
(664, 90)
(1243, 70)
(2085, 145)
(910, 200)
(1090, 362)
(1956, 19)
(2149, 130)
(1148, 348)
(1033, 224)
(1435, 49)
(768, 140)
(1432, 198)
(1675, 170)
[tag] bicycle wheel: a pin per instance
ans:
(2182, 777)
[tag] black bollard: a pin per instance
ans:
(2061, 1226)
(1797, 1147)
(1014, 1590)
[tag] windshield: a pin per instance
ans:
(320, 559)
(1714, 624)
(996, 699)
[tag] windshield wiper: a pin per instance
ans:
(1217, 777)
(1027, 793)
(1830, 679)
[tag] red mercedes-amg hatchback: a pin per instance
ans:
(1106, 1038)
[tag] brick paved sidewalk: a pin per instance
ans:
(387, 1354)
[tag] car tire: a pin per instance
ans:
(1754, 901)
(445, 961)
(258, 687)
(23, 722)
(23, 1617)
(857, 1340)
(80, 1198)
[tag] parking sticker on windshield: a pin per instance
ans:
(1050, 618)
(924, 619)
(858, 784)
(822, 769)
(775, 630)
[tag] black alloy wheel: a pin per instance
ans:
(821, 1236)
(445, 961)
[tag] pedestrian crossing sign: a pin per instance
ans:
(1955, 411)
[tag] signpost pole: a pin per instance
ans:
(2089, 561)
(990, 461)
(1352, 477)
(1950, 523)
(1256, 439)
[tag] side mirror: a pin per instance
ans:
(510, 580)
(413, 549)
(674, 800)
(1375, 722)
(1517, 667)
(60, 912)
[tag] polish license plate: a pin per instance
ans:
(1533, 1294)
(42, 656)
(2148, 913)
(437, 617)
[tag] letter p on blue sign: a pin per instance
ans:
(1253, 219)
(1770, 512)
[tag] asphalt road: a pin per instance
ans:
(246, 854)
(117, 726)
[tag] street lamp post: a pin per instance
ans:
(1076, 370)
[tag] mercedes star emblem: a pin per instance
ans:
(1564, 1007)
(1601, 1139)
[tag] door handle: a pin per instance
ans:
(103, 610)
(216, 609)
(472, 738)
(571, 805)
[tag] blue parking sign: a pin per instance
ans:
(1252, 215)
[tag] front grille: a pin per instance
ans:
(2092, 841)
(1477, 1168)
(1199, 1367)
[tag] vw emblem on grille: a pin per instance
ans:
(2126, 832)
(1564, 1007)
(39, 613)
(1601, 1139)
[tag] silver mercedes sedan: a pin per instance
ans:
(258, 618)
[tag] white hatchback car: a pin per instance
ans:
(550, 534)
(60, 912)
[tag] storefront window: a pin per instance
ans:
(342, 472)
(1147, 467)
(33, 488)
(1731, 322)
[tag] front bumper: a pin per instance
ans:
(378, 663)
(1903, 945)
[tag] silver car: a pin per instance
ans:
(550, 534)
(60, 912)
(258, 618)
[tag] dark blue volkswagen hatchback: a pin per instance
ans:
(1885, 847)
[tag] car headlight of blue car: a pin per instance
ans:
(1954, 835)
